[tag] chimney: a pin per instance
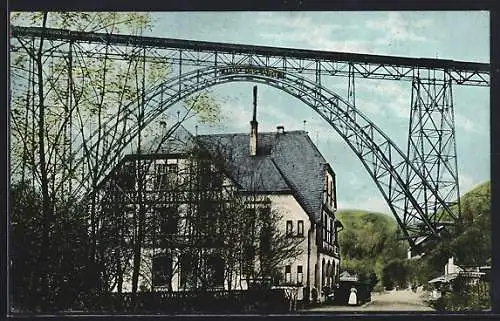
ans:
(253, 124)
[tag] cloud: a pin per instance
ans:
(395, 27)
(466, 123)
(310, 33)
(387, 98)
(367, 106)
(236, 116)
(296, 21)
(466, 183)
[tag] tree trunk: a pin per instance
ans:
(46, 202)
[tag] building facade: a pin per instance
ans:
(280, 172)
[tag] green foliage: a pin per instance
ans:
(470, 240)
(465, 297)
(204, 106)
(59, 103)
(67, 258)
(469, 243)
(110, 22)
(367, 242)
(395, 273)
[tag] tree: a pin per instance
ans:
(395, 273)
(72, 108)
(50, 92)
(368, 243)
(72, 273)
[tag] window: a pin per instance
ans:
(171, 172)
(325, 222)
(215, 270)
(331, 193)
(288, 274)
(300, 275)
(187, 280)
(325, 189)
(128, 176)
(331, 232)
(172, 168)
(300, 228)
(169, 218)
(289, 228)
(205, 175)
(249, 224)
(329, 184)
(161, 177)
(162, 270)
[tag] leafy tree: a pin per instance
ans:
(72, 106)
(395, 273)
(73, 274)
(470, 244)
(368, 243)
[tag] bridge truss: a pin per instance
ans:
(420, 184)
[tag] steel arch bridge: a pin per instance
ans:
(420, 184)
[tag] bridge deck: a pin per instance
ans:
(205, 46)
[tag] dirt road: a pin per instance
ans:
(403, 300)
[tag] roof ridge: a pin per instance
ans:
(242, 133)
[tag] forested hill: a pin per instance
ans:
(370, 242)
(470, 242)
(365, 233)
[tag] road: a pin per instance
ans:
(403, 300)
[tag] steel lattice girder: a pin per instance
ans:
(384, 161)
(206, 54)
(393, 172)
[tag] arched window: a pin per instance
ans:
(328, 273)
(162, 269)
(334, 271)
(316, 275)
(187, 280)
(323, 273)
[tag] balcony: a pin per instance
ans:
(329, 249)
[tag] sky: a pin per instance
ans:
(453, 35)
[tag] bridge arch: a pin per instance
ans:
(386, 164)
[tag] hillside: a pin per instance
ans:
(364, 233)
(367, 242)
(370, 241)
(470, 242)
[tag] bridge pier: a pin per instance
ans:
(432, 147)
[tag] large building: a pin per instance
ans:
(281, 171)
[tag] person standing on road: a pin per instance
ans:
(353, 297)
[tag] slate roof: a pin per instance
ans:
(287, 162)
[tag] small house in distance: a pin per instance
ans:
(453, 273)
(284, 168)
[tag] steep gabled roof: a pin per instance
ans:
(285, 162)
(257, 173)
